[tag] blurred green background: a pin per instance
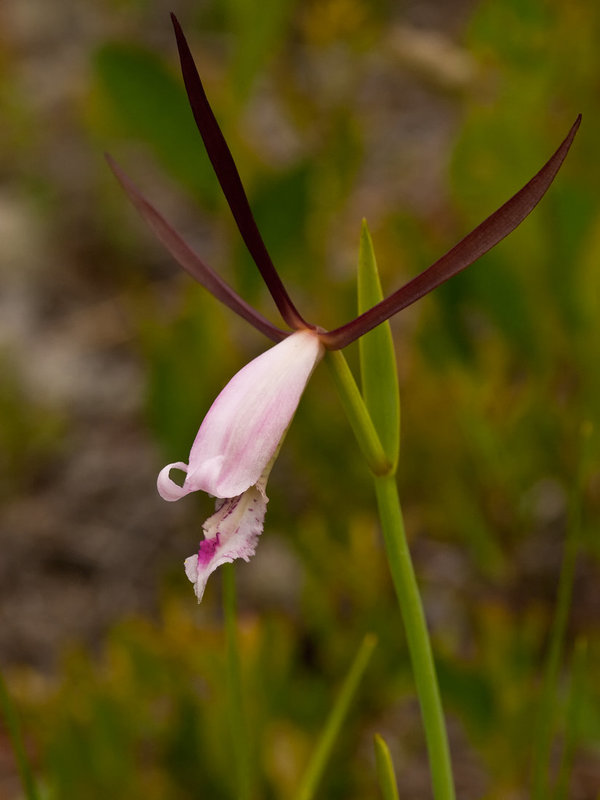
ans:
(422, 117)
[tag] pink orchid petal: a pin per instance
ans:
(244, 426)
(167, 488)
(232, 532)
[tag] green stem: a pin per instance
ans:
(419, 646)
(403, 577)
(358, 415)
(237, 721)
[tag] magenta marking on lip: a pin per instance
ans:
(207, 550)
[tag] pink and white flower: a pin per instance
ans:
(239, 439)
(235, 448)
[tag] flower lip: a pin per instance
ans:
(207, 549)
(232, 532)
(243, 429)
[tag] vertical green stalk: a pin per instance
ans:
(403, 577)
(374, 417)
(417, 636)
(358, 414)
(237, 719)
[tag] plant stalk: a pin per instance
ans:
(403, 577)
(417, 636)
(237, 719)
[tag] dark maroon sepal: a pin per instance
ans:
(475, 244)
(230, 181)
(190, 261)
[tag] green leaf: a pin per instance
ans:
(385, 769)
(377, 356)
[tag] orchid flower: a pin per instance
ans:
(235, 448)
(240, 436)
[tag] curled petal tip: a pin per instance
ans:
(167, 488)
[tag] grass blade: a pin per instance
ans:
(316, 766)
(237, 717)
(385, 770)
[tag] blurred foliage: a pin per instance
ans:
(499, 382)
(30, 432)
(147, 101)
